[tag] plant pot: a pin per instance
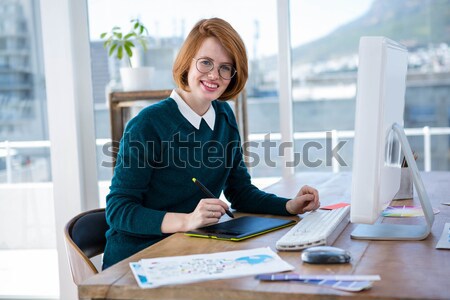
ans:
(136, 79)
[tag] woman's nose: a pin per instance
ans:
(213, 74)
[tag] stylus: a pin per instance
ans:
(209, 194)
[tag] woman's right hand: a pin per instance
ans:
(207, 212)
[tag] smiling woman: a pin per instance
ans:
(149, 200)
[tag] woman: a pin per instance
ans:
(191, 134)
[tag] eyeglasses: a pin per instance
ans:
(205, 65)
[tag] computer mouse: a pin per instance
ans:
(325, 255)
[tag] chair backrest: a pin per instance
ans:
(85, 238)
(124, 105)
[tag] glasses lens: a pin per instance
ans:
(204, 65)
(227, 71)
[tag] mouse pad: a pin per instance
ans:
(240, 228)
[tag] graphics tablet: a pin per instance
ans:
(240, 228)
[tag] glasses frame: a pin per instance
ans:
(213, 66)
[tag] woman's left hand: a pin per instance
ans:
(307, 199)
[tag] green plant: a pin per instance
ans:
(121, 44)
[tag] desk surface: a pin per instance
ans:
(408, 270)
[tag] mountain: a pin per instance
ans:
(415, 23)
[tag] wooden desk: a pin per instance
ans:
(408, 270)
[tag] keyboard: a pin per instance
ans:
(320, 227)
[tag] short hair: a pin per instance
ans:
(230, 40)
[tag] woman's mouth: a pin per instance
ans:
(209, 86)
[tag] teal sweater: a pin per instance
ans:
(159, 154)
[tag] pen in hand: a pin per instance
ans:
(209, 194)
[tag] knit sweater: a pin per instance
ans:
(160, 152)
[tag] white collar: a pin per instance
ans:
(192, 116)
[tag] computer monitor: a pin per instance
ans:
(380, 141)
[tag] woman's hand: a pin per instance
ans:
(207, 212)
(307, 199)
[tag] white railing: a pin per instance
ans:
(8, 149)
(426, 132)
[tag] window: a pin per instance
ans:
(26, 190)
(324, 69)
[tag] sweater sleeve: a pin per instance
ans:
(135, 161)
(246, 197)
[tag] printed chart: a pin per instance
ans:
(156, 272)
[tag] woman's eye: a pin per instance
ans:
(206, 63)
(226, 68)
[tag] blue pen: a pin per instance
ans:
(209, 194)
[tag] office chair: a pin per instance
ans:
(85, 238)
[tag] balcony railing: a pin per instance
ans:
(8, 149)
(336, 135)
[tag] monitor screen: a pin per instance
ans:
(379, 133)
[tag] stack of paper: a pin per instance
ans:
(444, 241)
(154, 272)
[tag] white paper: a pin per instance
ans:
(444, 241)
(200, 267)
(139, 275)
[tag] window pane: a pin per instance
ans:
(325, 60)
(26, 190)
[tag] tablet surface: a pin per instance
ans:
(240, 228)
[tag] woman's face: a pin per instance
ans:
(206, 87)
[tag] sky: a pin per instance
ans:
(310, 19)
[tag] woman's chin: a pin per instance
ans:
(210, 96)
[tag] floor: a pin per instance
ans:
(29, 274)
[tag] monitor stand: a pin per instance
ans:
(382, 231)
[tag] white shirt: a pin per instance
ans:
(192, 116)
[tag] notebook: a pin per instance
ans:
(240, 228)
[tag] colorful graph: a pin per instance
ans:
(191, 268)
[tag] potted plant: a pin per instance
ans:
(121, 45)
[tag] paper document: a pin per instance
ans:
(444, 241)
(154, 272)
(405, 211)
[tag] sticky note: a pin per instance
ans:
(335, 206)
